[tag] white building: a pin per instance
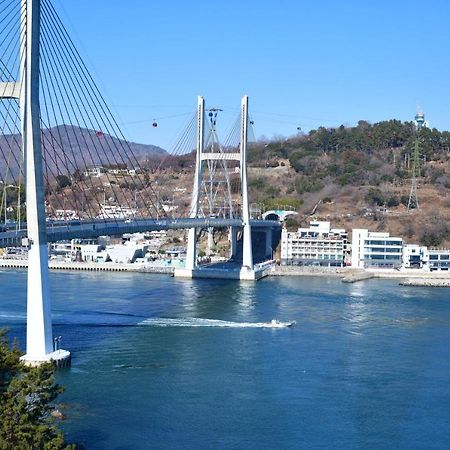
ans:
(122, 172)
(94, 171)
(65, 214)
(91, 252)
(433, 259)
(61, 250)
(376, 250)
(127, 252)
(438, 259)
(318, 245)
(115, 212)
(415, 256)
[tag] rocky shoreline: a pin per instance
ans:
(426, 282)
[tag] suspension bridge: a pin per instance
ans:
(62, 150)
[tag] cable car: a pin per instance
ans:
(154, 124)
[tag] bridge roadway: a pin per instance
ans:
(80, 229)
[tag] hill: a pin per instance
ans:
(82, 147)
(355, 177)
(359, 177)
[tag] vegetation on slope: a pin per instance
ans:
(26, 403)
(359, 175)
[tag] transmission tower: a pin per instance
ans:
(413, 201)
(420, 122)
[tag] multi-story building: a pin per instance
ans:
(438, 259)
(318, 245)
(415, 256)
(428, 259)
(376, 250)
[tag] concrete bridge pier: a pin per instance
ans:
(210, 247)
(233, 238)
(269, 243)
(191, 250)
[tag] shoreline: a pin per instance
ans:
(411, 277)
(85, 266)
(408, 277)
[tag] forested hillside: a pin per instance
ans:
(359, 177)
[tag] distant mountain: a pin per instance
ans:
(67, 148)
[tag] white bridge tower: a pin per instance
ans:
(39, 342)
(202, 156)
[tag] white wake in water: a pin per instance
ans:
(196, 322)
(12, 316)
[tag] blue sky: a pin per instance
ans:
(303, 63)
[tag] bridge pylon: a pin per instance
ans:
(246, 271)
(247, 255)
(40, 346)
(191, 251)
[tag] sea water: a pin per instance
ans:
(161, 363)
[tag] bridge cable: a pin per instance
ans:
(88, 82)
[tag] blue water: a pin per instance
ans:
(366, 367)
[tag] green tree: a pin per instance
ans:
(9, 362)
(375, 196)
(431, 239)
(26, 403)
(63, 181)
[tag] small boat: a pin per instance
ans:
(277, 324)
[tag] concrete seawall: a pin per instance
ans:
(297, 271)
(357, 275)
(97, 267)
(347, 275)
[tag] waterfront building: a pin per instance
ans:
(61, 250)
(415, 256)
(318, 245)
(375, 250)
(126, 253)
(91, 252)
(438, 259)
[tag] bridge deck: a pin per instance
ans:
(61, 231)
